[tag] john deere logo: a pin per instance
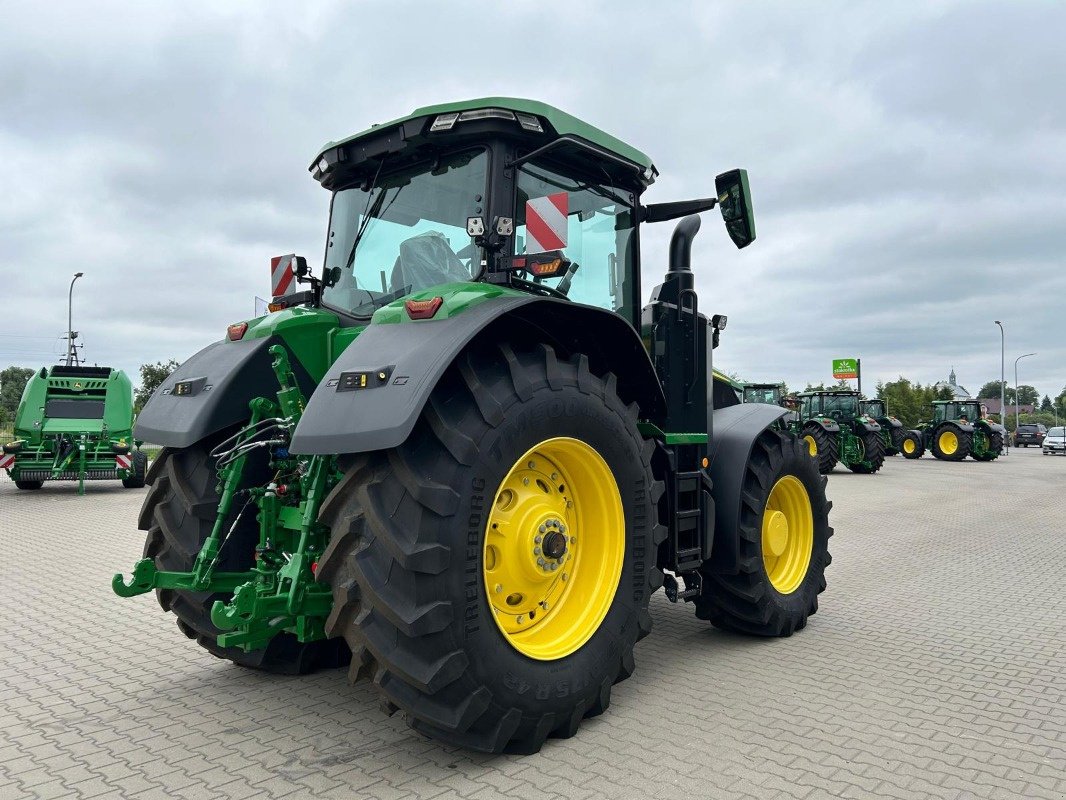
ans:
(77, 386)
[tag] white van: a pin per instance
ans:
(1055, 441)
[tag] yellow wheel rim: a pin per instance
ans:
(949, 442)
(812, 446)
(787, 534)
(908, 445)
(554, 545)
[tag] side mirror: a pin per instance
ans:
(734, 198)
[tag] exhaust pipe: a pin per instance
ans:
(681, 251)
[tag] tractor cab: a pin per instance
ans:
(769, 393)
(497, 190)
(966, 411)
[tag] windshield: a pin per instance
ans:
(761, 395)
(875, 408)
(404, 231)
(840, 406)
(591, 223)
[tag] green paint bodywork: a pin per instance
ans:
(652, 431)
(65, 448)
(458, 297)
(563, 123)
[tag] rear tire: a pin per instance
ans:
(825, 444)
(140, 467)
(949, 443)
(875, 457)
(768, 596)
(409, 558)
(911, 445)
(178, 513)
(29, 485)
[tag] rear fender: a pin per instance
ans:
(413, 356)
(225, 376)
(828, 425)
(871, 427)
(735, 430)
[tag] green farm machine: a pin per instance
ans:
(836, 430)
(465, 456)
(892, 430)
(958, 429)
(74, 423)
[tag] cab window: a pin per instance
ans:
(591, 223)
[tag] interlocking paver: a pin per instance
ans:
(936, 667)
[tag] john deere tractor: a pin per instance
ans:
(75, 423)
(892, 430)
(835, 429)
(957, 429)
(464, 457)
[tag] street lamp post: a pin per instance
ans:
(1002, 380)
(1019, 358)
(70, 321)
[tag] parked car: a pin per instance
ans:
(1031, 433)
(1055, 441)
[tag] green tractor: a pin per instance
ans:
(465, 456)
(835, 429)
(892, 430)
(75, 423)
(958, 429)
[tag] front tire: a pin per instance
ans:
(435, 545)
(178, 513)
(822, 446)
(784, 544)
(995, 447)
(872, 444)
(911, 445)
(140, 468)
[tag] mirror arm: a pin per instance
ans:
(661, 212)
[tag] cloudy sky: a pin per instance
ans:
(907, 160)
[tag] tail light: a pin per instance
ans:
(423, 309)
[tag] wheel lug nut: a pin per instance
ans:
(498, 588)
(555, 476)
(541, 562)
(525, 481)
(536, 551)
(554, 567)
(565, 576)
(562, 528)
(532, 464)
(542, 529)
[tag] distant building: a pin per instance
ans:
(993, 407)
(957, 392)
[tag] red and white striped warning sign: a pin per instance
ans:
(281, 275)
(7, 461)
(546, 223)
(123, 462)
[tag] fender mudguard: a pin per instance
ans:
(829, 425)
(995, 426)
(962, 426)
(872, 427)
(223, 378)
(894, 423)
(735, 430)
(349, 415)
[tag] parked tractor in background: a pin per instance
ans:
(892, 430)
(835, 429)
(958, 429)
(465, 457)
(75, 423)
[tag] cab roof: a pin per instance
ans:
(562, 123)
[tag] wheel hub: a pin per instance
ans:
(775, 533)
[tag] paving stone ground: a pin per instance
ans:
(936, 667)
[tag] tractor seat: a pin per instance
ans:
(426, 260)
